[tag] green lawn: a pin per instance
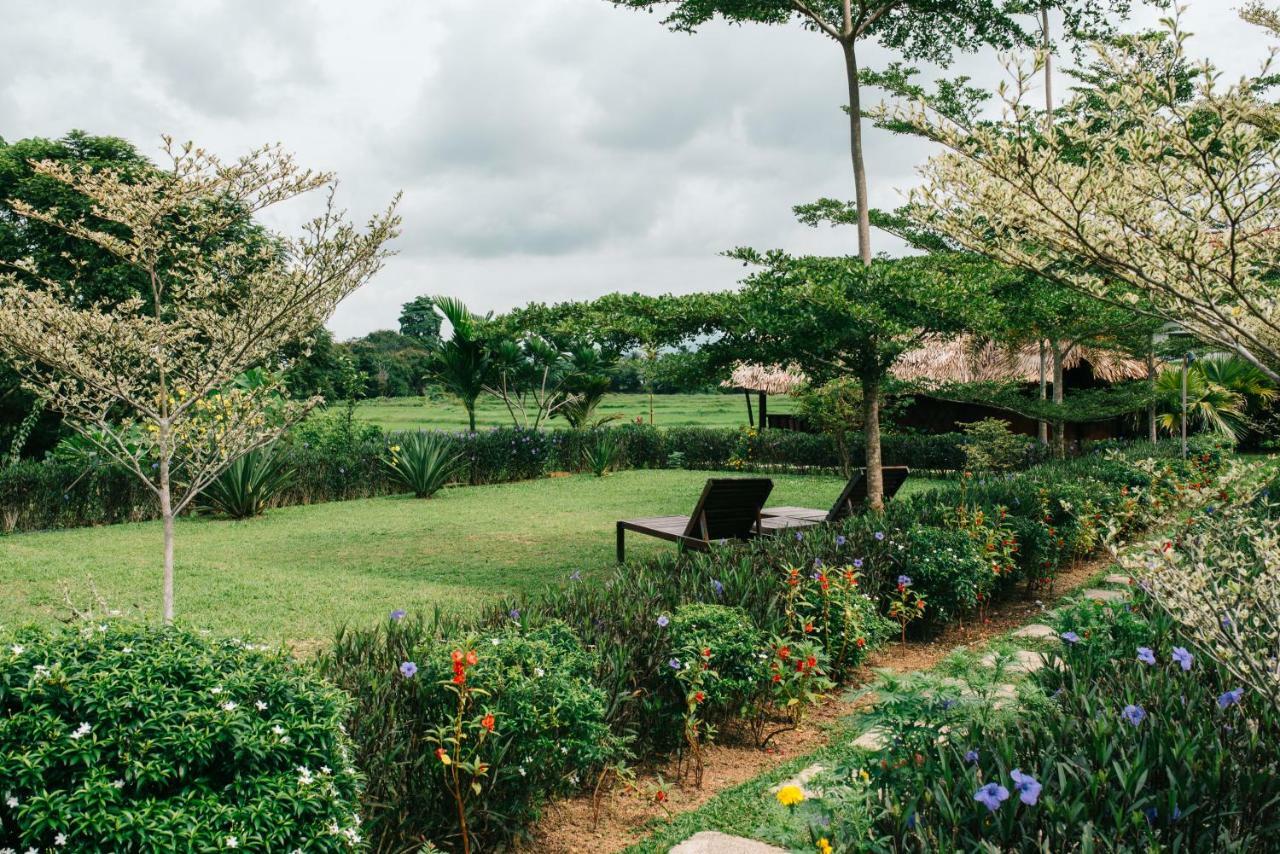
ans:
(298, 572)
(669, 410)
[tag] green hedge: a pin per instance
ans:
(55, 494)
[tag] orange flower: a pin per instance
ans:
(487, 722)
(472, 658)
(808, 627)
(784, 652)
(861, 642)
(699, 697)
(457, 656)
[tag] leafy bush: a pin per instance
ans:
(248, 486)
(948, 569)
(736, 654)
(601, 454)
(990, 446)
(121, 737)
(423, 461)
(546, 735)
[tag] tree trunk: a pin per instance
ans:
(166, 512)
(471, 415)
(1048, 66)
(1059, 392)
(1151, 407)
(871, 429)
(1042, 427)
(855, 150)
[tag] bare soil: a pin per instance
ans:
(620, 815)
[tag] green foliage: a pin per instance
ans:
(601, 454)
(990, 446)
(462, 363)
(548, 734)
(424, 462)
(736, 655)
(419, 320)
(247, 487)
(835, 408)
(119, 737)
(1222, 392)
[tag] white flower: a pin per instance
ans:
(232, 842)
(102, 628)
(522, 772)
(7, 851)
(277, 729)
(260, 706)
(127, 650)
(117, 784)
(229, 706)
(10, 801)
(324, 769)
(82, 731)
(495, 641)
(217, 689)
(539, 672)
(60, 840)
(17, 649)
(304, 775)
(41, 671)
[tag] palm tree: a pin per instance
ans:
(462, 363)
(1221, 391)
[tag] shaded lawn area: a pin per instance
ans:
(299, 572)
(669, 410)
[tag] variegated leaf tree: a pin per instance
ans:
(1144, 193)
(149, 380)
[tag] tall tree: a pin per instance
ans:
(150, 380)
(927, 30)
(419, 319)
(1144, 194)
(463, 362)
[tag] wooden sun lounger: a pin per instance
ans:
(729, 509)
(853, 498)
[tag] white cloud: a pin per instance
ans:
(548, 149)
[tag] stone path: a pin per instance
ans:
(713, 842)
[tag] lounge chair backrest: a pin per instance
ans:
(854, 496)
(729, 508)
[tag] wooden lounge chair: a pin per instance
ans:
(853, 498)
(729, 509)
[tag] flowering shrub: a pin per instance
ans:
(477, 730)
(826, 604)
(724, 640)
(119, 737)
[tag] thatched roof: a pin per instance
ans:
(964, 359)
(770, 379)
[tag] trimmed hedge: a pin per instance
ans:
(57, 494)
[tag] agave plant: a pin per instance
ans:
(601, 454)
(247, 486)
(423, 461)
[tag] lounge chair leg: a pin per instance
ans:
(622, 543)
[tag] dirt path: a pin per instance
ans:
(573, 827)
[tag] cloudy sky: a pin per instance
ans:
(547, 149)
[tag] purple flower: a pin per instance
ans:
(879, 535)
(1226, 621)
(408, 669)
(1230, 698)
(1070, 637)
(840, 540)
(991, 796)
(514, 613)
(663, 621)
(817, 563)
(576, 576)
(1134, 714)
(799, 536)
(857, 563)
(971, 757)
(1027, 787)
(674, 664)
(904, 581)
(1183, 657)
(1145, 655)
(717, 587)
(1152, 814)
(398, 614)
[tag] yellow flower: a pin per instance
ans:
(789, 796)
(824, 846)
(866, 778)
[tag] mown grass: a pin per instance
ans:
(299, 572)
(669, 410)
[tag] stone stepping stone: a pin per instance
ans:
(714, 842)
(1023, 661)
(1117, 579)
(1099, 595)
(801, 781)
(876, 738)
(1036, 631)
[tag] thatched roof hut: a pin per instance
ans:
(769, 379)
(964, 359)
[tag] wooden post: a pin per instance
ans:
(751, 419)
(764, 410)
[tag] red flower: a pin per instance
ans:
(457, 656)
(487, 722)
(706, 653)
(440, 753)
(812, 662)
(699, 697)
(660, 796)
(808, 627)
(777, 677)
(784, 652)
(472, 658)
(861, 642)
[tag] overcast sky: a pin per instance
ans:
(547, 149)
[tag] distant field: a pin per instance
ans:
(669, 410)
